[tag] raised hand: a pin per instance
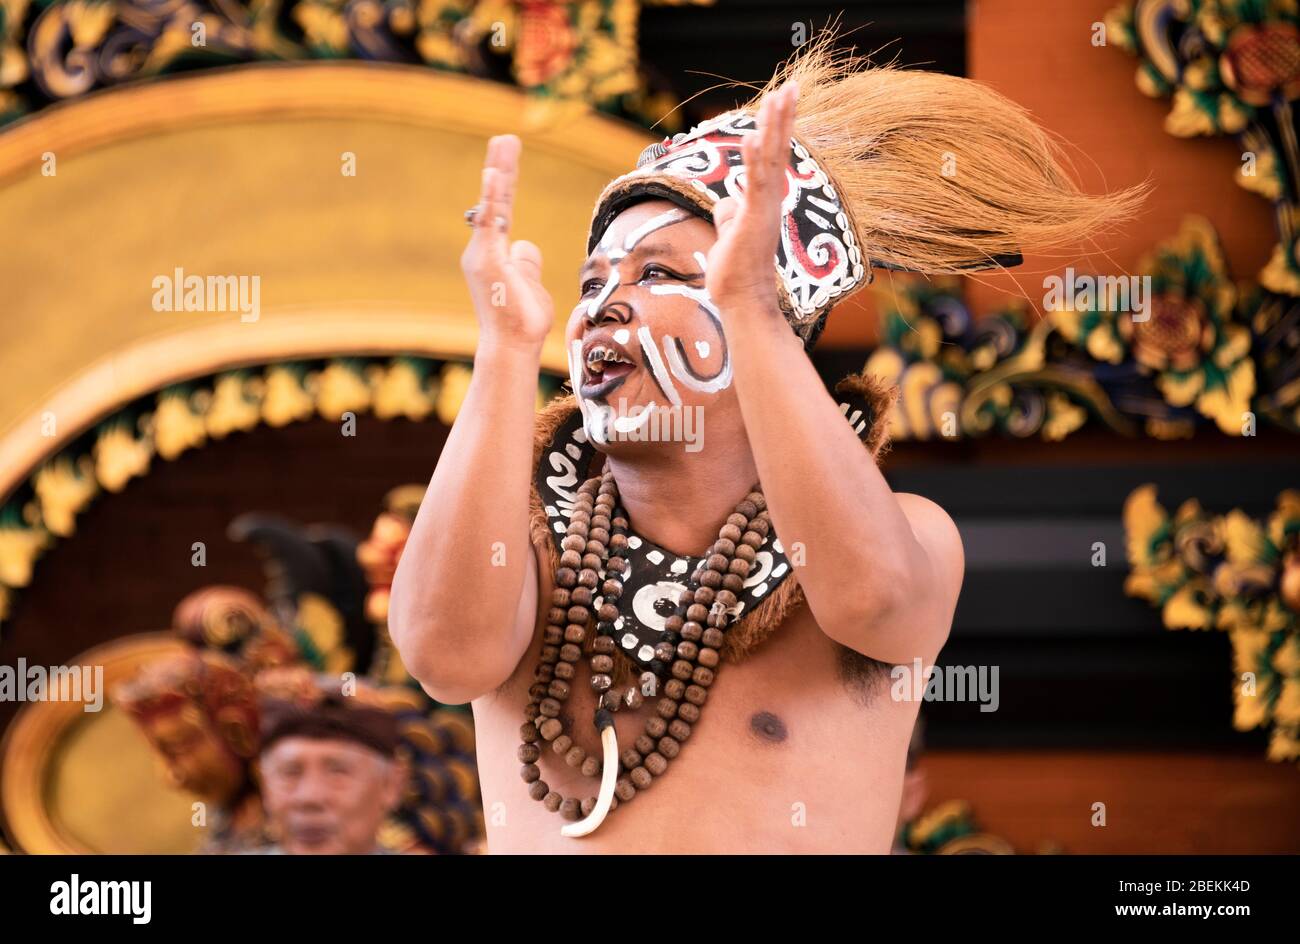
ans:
(505, 278)
(740, 264)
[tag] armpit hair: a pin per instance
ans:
(862, 675)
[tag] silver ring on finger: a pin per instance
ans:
(471, 214)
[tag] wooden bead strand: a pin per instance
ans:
(587, 589)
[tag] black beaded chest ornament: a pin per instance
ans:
(593, 555)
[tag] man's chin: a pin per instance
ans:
(622, 429)
(313, 842)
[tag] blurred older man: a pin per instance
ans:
(328, 770)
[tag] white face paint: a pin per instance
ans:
(598, 417)
(672, 346)
(674, 351)
(606, 290)
(626, 424)
(595, 431)
(667, 218)
(651, 355)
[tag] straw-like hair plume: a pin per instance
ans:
(940, 174)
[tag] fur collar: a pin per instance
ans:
(865, 401)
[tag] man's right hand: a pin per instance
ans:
(505, 278)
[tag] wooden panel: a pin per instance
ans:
(1155, 802)
(129, 563)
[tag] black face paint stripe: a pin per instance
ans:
(686, 363)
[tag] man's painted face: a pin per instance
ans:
(645, 335)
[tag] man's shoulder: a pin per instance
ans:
(934, 529)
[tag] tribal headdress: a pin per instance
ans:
(296, 702)
(889, 168)
(199, 711)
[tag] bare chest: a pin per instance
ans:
(798, 748)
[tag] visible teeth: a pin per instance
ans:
(600, 355)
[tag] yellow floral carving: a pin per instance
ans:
(399, 391)
(63, 490)
(1229, 573)
(119, 457)
(176, 426)
(286, 401)
(1284, 745)
(1278, 276)
(233, 407)
(1287, 708)
(341, 389)
(19, 548)
(451, 393)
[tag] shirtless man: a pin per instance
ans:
(678, 309)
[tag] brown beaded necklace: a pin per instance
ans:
(592, 557)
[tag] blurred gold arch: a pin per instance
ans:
(241, 172)
(73, 781)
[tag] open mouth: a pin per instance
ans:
(605, 365)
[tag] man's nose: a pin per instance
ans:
(311, 792)
(611, 312)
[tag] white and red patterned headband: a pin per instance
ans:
(818, 260)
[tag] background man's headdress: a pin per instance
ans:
(296, 702)
(889, 168)
(208, 687)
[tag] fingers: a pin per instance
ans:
(792, 109)
(527, 259)
(776, 144)
(503, 156)
(496, 195)
(766, 152)
(724, 212)
(489, 235)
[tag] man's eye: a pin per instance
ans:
(591, 285)
(656, 271)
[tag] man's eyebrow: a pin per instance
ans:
(654, 249)
(641, 249)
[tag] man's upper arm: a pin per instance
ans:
(491, 675)
(916, 625)
(529, 604)
(940, 540)
(526, 617)
(938, 535)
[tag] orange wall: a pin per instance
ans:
(1176, 802)
(1040, 53)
